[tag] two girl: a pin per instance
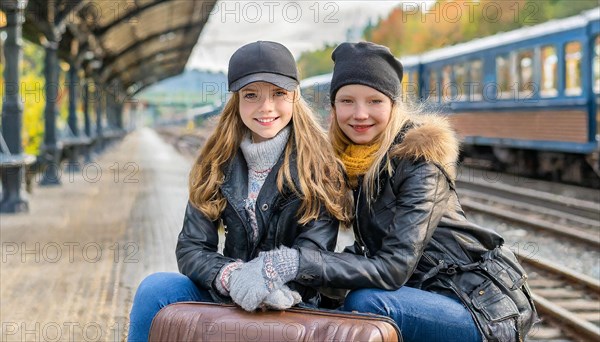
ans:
(416, 258)
(269, 178)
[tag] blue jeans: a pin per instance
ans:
(154, 293)
(420, 315)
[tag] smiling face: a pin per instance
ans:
(265, 109)
(362, 112)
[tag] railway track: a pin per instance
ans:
(568, 302)
(576, 219)
(186, 143)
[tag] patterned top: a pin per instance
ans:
(260, 157)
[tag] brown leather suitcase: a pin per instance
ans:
(194, 321)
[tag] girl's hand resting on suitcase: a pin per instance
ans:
(261, 282)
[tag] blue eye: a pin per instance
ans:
(280, 93)
(250, 96)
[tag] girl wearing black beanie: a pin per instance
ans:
(416, 258)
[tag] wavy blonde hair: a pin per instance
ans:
(398, 117)
(320, 173)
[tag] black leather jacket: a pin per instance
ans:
(415, 233)
(395, 231)
(276, 214)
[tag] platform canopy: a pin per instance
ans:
(126, 43)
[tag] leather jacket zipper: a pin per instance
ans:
(254, 253)
(361, 242)
(243, 224)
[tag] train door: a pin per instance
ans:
(594, 97)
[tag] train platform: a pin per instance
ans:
(71, 265)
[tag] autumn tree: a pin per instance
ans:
(410, 29)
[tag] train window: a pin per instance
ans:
(476, 80)
(549, 72)
(503, 76)
(414, 84)
(525, 73)
(460, 78)
(406, 85)
(596, 65)
(573, 69)
(410, 86)
(447, 83)
(433, 89)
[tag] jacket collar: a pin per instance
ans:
(235, 189)
(235, 184)
(431, 138)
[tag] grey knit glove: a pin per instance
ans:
(281, 299)
(221, 282)
(261, 282)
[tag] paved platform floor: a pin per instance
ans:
(70, 266)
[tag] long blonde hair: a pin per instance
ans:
(398, 117)
(320, 173)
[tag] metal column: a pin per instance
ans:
(86, 118)
(50, 149)
(72, 118)
(12, 109)
(100, 107)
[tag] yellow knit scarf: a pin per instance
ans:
(358, 159)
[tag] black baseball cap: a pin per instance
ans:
(263, 61)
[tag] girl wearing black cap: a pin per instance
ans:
(269, 177)
(416, 258)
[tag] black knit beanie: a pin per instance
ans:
(368, 64)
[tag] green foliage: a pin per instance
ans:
(368, 31)
(33, 96)
(316, 62)
(564, 8)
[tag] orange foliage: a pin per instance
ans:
(410, 29)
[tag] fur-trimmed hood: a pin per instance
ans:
(432, 138)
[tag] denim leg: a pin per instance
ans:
(420, 315)
(155, 292)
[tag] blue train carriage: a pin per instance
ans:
(525, 100)
(315, 90)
